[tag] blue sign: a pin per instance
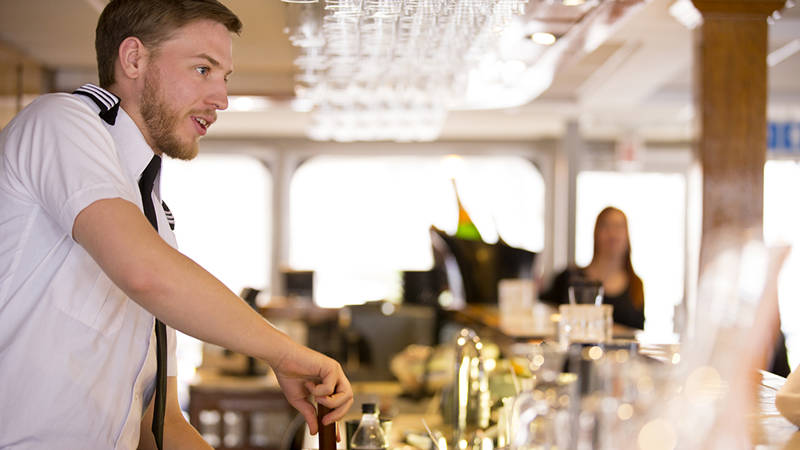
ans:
(783, 138)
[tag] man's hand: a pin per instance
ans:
(304, 373)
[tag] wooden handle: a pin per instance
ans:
(327, 433)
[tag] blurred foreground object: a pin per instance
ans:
(711, 400)
(787, 399)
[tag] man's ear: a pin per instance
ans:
(132, 57)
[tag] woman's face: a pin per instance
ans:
(612, 235)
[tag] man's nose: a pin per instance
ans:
(219, 96)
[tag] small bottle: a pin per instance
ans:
(369, 434)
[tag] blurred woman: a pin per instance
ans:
(611, 265)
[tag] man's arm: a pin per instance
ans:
(178, 433)
(186, 297)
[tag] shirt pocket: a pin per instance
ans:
(83, 292)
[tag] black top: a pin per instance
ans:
(624, 311)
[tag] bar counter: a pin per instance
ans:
(486, 320)
(261, 397)
(263, 394)
(775, 431)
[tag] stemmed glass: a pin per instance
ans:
(540, 412)
(386, 55)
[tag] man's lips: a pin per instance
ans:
(203, 122)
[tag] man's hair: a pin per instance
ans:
(153, 22)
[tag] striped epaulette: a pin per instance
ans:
(106, 101)
(170, 217)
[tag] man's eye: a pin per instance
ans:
(202, 70)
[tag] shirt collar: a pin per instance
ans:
(134, 152)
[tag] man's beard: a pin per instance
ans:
(160, 122)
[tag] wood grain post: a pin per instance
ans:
(731, 104)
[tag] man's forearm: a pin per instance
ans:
(170, 285)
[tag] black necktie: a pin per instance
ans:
(146, 188)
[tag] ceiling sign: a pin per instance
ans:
(783, 138)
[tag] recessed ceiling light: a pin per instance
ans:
(542, 38)
(686, 14)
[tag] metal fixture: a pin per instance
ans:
(470, 388)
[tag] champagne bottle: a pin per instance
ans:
(466, 228)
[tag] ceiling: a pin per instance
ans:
(620, 68)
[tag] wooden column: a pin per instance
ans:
(731, 101)
(21, 79)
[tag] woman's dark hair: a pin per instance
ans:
(636, 285)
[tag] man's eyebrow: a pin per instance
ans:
(212, 61)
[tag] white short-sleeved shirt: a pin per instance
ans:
(77, 356)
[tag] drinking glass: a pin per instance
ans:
(585, 292)
(585, 323)
(540, 413)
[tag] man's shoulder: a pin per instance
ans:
(56, 105)
(57, 112)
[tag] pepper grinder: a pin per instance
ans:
(327, 433)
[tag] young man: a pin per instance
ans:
(83, 271)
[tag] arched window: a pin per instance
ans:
(782, 227)
(222, 208)
(359, 221)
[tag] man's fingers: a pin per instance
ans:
(335, 393)
(332, 381)
(338, 410)
(336, 400)
(312, 389)
(309, 413)
(324, 389)
(333, 385)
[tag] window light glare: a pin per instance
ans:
(572, 2)
(241, 103)
(686, 14)
(302, 105)
(248, 103)
(542, 38)
(453, 166)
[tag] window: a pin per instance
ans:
(782, 226)
(655, 206)
(359, 221)
(221, 205)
